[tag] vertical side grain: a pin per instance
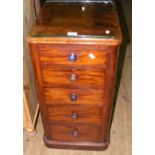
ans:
(109, 89)
(39, 86)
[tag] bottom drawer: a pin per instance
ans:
(80, 133)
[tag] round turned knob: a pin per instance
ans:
(75, 133)
(72, 57)
(74, 115)
(73, 97)
(73, 78)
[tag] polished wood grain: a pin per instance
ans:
(86, 78)
(59, 99)
(57, 19)
(121, 139)
(66, 133)
(84, 96)
(109, 87)
(121, 129)
(39, 89)
(75, 114)
(61, 57)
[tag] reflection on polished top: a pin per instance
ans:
(77, 20)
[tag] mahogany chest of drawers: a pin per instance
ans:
(74, 48)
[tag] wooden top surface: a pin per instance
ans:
(72, 22)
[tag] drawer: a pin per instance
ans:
(73, 57)
(75, 113)
(73, 77)
(70, 132)
(73, 96)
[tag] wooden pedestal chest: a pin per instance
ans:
(74, 48)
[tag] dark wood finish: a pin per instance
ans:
(75, 114)
(84, 96)
(78, 133)
(61, 57)
(83, 77)
(76, 145)
(61, 18)
(110, 85)
(57, 19)
(76, 111)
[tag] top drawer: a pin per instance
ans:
(69, 56)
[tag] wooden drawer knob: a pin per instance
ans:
(72, 57)
(74, 115)
(75, 133)
(73, 97)
(73, 78)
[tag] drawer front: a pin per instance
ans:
(81, 133)
(75, 113)
(73, 96)
(73, 77)
(71, 57)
